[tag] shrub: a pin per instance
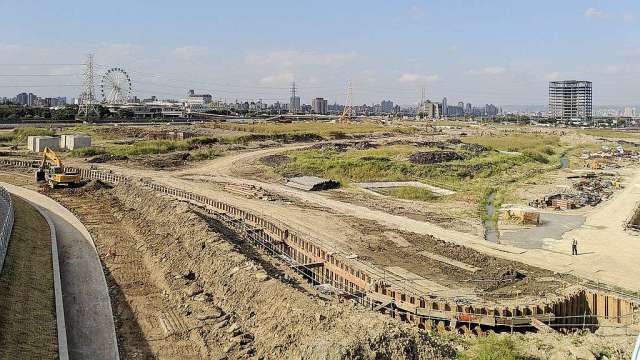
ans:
(204, 154)
(20, 134)
(411, 193)
(493, 347)
(88, 151)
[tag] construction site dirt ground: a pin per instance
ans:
(441, 242)
(351, 212)
(164, 280)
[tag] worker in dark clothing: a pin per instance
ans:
(574, 247)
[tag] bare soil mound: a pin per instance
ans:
(276, 316)
(275, 160)
(99, 159)
(434, 157)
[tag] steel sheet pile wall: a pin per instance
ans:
(339, 274)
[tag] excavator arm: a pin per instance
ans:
(50, 155)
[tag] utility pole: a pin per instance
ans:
(88, 106)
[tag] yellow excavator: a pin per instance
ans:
(54, 173)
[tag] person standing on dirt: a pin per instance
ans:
(574, 247)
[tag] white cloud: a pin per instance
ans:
(553, 76)
(412, 78)
(278, 79)
(189, 53)
(594, 13)
(416, 12)
(491, 70)
(293, 58)
(613, 69)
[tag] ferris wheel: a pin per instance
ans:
(115, 86)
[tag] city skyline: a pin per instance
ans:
(228, 58)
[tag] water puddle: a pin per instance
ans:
(491, 232)
(564, 162)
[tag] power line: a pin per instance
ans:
(40, 86)
(41, 64)
(36, 75)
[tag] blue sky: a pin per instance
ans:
(501, 52)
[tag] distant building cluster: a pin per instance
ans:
(435, 110)
(30, 99)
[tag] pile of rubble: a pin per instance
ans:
(475, 148)
(589, 190)
(253, 192)
(344, 146)
(434, 157)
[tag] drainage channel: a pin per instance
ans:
(490, 222)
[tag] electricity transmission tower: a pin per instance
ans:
(348, 107)
(293, 107)
(88, 105)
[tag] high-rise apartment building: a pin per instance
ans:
(570, 100)
(387, 106)
(319, 106)
(445, 108)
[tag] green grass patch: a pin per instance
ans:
(323, 129)
(20, 134)
(283, 137)
(410, 193)
(149, 147)
(6, 136)
(493, 347)
(205, 154)
(611, 133)
(520, 142)
(87, 152)
(471, 177)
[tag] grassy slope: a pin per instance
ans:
(27, 306)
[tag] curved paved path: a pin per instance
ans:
(87, 306)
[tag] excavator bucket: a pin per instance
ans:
(40, 175)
